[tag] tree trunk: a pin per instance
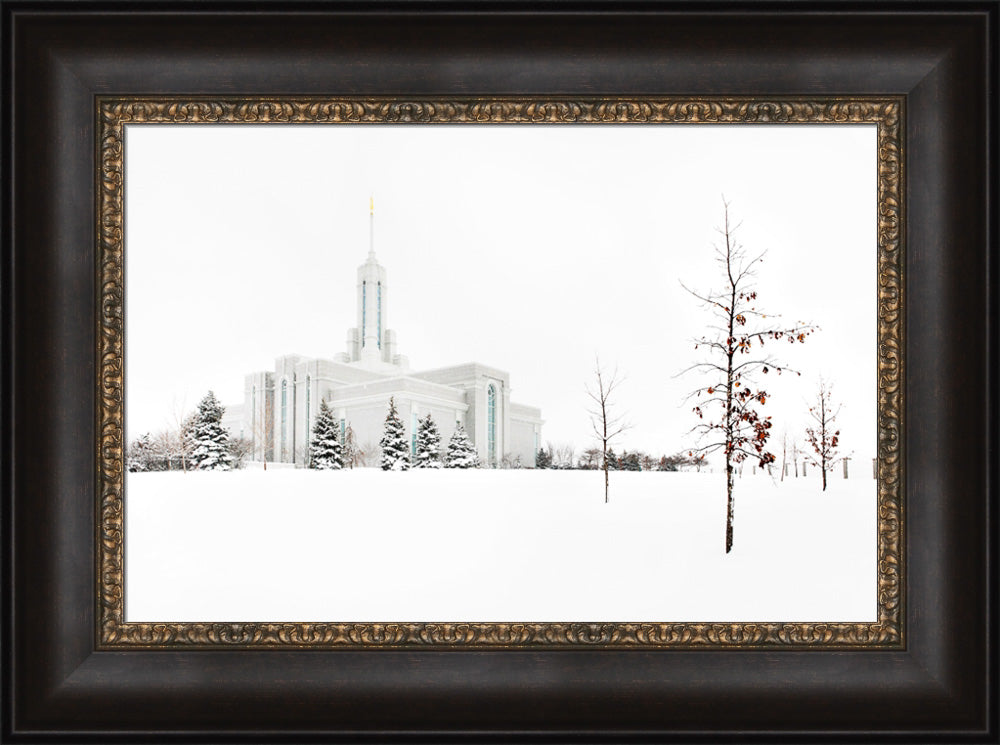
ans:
(824, 477)
(729, 507)
(605, 463)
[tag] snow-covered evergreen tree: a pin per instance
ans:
(629, 461)
(325, 453)
(210, 441)
(543, 458)
(428, 444)
(395, 451)
(461, 453)
(139, 456)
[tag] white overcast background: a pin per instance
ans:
(530, 248)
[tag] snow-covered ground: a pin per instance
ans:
(480, 545)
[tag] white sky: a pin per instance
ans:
(531, 248)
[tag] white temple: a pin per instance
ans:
(279, 406)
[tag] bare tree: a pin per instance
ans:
(178, 442)
(171, 447)
(823, 436)
(163, 448)
(562, 455)
(734, 359)
(368, 454)
(349, 448)
(262, 430)
(240, 449)
(509, 461)
(607, 423)
(784, 454)
(590, 459)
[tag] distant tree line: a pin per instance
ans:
(562, 458)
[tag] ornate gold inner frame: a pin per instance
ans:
(114, 113)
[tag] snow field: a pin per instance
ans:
(486, 545)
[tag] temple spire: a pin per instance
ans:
(371, 227)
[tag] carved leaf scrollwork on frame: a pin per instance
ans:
(115, 113)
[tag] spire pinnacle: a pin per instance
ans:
(371, 227)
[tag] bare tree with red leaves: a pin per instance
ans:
(728, 402)
(824, 436)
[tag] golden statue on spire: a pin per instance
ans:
(371, 204)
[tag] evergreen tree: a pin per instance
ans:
(461, 453)
(325, 453)
(139, 456)
(395, 452)
(543, 458)
(611, 460)
(210, 441)
(428, 444)
(630, 462)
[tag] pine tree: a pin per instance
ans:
(543, 458)
(395, 452)
(139, 456)
(461, 453)
(629, 462)
(428, 444)
(325, 453)
(210, 440)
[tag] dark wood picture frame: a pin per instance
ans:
(60, 685)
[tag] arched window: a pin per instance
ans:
(491, 424)
(364, 311)
(379, 337)
(284, 416)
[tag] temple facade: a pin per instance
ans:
(280, 405)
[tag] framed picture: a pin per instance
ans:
(515, 382)
(439, 465)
